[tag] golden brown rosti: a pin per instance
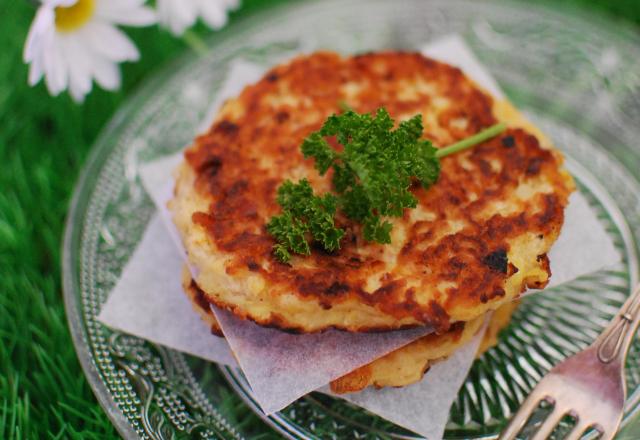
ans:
(477, 239)
(408, 364)
(401, 367)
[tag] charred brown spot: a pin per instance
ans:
(319, 248)
(508, 142)
(282, 117)
(456, 263)
(544, 260)
(337, 288)
(272, 77)
(199, 297)
(533, 167)
(485, 167)
(454, 200)
(326, 305)
(237, 187)
(226, 128)
(321, 285)
(497, 260)
(389, 289)
(253, 266)
(210, 167)
(440, 317)
(552, 210)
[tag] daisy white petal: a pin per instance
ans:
(105, 72)
(76, 51)
(36, 70)
(126, 12)
(231, 5)
(213, 14)
(110, 42)
(33, 49)
(178, 15)
(55, 66)
(43, 20)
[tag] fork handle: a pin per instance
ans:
(614, 342)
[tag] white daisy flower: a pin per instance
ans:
(72, 42)
(179, 15)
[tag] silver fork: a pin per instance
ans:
(589, 385)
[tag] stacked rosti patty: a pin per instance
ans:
(477, 239)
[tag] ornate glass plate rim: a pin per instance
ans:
(109, 154)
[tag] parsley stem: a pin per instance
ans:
(472, 141)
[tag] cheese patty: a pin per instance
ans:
(401, 367)
(476, 240)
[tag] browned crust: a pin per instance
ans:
(278, 321)
(366, 376)
(363, 377)
(357, 380)
(199, 303)
(242, 194)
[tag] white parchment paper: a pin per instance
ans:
(148, 300)
(422, 407)
(281, 367)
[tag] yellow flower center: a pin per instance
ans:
(73, 17)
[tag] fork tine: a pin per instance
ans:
(549, 424)
(577, 431)
(521, 417)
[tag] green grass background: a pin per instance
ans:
(43, 144)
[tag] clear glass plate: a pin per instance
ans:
(578, 77)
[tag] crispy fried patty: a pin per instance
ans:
(408, 364)
(477, 239)
(401, 367)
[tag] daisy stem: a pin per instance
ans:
(194, 41)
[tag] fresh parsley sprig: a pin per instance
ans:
(372, 177)
(303, 213)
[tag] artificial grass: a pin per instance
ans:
(43, 144)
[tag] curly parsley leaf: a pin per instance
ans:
(372, 176)
(373, 173)
(303, 214)
(290, 234)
